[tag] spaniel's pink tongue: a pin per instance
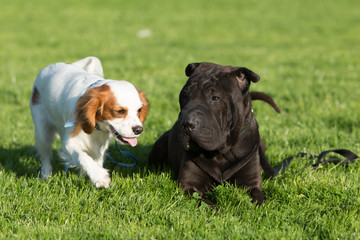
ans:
(131, 141)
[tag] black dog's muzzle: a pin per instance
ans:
(199, 128)
(193, 117)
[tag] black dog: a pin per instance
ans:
(216, 137)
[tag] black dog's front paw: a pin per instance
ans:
(257, 196)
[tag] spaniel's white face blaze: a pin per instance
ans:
(101, 109)
(128, 126)
(116, 106)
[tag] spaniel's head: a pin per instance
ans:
(117, 107)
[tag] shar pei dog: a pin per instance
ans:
(216, 136)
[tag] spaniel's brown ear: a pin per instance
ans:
(87, 106)
(143, 112)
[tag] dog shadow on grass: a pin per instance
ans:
(21, 160)
(24, 161)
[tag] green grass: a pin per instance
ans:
(307, 54)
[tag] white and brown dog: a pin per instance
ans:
(75, 102)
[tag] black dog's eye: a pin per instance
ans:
(215, 98)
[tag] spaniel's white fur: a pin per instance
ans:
(85, 110)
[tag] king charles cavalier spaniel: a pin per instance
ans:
(75, 102)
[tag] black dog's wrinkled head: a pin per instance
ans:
(214, 104)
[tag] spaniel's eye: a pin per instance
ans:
(121, 112)
(140, 109)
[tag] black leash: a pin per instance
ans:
(350, 157)
(271, 172)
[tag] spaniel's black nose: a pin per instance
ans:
(137, 129)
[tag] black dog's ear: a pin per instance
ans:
(189, 70)
(244, 73)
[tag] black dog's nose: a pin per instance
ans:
(189, 125)
(137, 129)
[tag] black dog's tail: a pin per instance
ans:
(264, 97)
